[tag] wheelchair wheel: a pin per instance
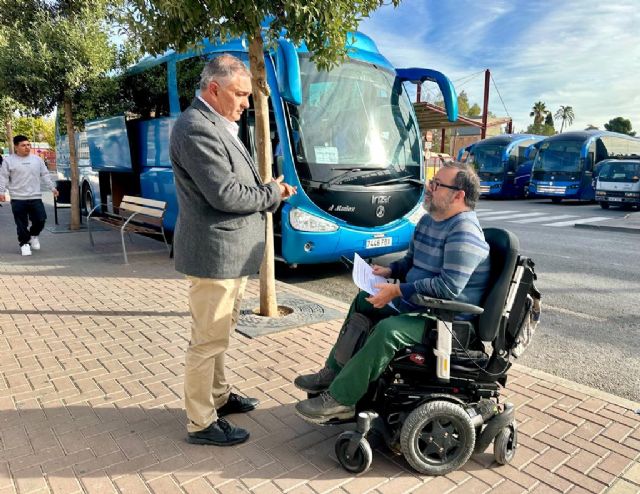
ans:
(505, 444)
(360, 461)
(437, 437)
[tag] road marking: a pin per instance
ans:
(545, 218)
(593, 219)
(495, 213)
(508, 216)
(581, 315)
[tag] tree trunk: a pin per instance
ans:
(9, 126)
(73, 163)
(268, 301)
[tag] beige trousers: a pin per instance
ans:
(215, 307)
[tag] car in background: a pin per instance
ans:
(618, 182)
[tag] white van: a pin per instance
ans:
(618, 182)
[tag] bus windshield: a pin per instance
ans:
(622, 171)
(488, 158)
(558, 156)
(353, 117)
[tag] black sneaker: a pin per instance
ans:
(237, 404)
(315, 383)
(219, 433)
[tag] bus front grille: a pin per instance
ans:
(550, 189)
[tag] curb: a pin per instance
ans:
(625, 229)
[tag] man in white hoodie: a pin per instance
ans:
(21, 173)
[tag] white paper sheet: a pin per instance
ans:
(363, 276)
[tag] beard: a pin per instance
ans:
(437, 206)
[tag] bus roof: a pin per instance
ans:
(583, 135)
(505, 139)
(361, 47)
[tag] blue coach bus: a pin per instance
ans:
(502, 165)
(348, 138)
(565, 165)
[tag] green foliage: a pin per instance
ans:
(464, 107)
(38, 129)
(538, 112)
(548, 120)
(620, 125)
(51, 48)
(323, 25)
(542, 129)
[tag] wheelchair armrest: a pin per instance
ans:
(443, 305)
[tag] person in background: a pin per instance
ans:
(20, 174)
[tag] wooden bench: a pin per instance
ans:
(134, 215)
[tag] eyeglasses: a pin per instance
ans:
(434, 184)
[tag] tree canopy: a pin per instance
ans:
(49, 50)
(565, 114)
(538, 112)
(621, 125)
(321, 25)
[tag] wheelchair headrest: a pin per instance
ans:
(503, 251)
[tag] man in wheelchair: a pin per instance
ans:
(448, 259)
(418, 374)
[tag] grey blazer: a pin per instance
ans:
(220, 232)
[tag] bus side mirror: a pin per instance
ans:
(288, 72)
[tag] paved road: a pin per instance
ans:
(590, 331)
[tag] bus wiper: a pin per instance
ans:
(397, 180)
(348, 171)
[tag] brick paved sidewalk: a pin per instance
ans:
(91, 361)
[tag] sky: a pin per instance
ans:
(580, 53)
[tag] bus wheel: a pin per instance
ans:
(87, 199)
(556, 200)
(604, 205)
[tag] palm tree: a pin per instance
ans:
(538, 112)
(565, 113)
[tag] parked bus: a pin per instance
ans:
(502, 165)
(566, 163)
(347, 138)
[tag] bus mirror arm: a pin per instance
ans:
(419, 75)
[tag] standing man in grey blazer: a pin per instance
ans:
(219, 239)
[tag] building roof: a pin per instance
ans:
(434, 117)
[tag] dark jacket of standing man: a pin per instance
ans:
(219, 239)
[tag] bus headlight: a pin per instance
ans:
(416, 214)
(306, 222)
(601, 193)
(632, 194)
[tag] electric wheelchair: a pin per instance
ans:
(438, 402)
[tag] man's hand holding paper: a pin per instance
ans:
(372, 279)
(385, 294)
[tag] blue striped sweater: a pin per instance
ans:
(447, 259)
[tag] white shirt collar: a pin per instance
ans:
(232, 127)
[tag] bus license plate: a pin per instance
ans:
(615, 199)
(373, 243)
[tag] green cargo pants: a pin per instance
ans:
(392, 331)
